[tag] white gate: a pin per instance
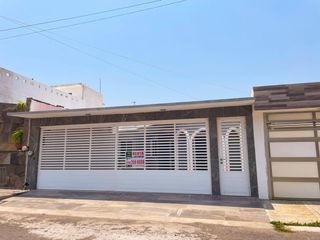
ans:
(157, 156)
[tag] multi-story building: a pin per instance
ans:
(37, 97)
(15, 87)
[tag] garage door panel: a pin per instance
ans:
(291, 134)
(289, 116)
(292, 149)
(302, 190)
(295, 169)
(294, 154)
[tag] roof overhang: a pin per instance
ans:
(161, 107)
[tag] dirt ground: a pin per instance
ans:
(42, 227)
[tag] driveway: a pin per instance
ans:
(74, 215)
(179, 208)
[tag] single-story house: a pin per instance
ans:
(264, 146)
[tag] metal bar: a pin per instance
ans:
(294, 129)
(317, 146)
(116, 149)
(295, 179)
(64, 149)
(297, 159)
(307, 139)
(267, 147)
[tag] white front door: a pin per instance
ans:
(233, 156)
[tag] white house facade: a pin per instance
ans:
(265, 146)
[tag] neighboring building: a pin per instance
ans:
(89, 97)
(266, 146)
(38, 97)
(15, 88)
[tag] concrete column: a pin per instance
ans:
(261, 154)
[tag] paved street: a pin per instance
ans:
(43, 227)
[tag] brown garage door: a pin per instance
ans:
(293, 141)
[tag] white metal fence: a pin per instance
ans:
(163, 145)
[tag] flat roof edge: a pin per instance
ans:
(135, 108)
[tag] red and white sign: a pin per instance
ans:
(135, 159)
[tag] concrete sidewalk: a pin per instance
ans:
(294, 211)
(177, 208)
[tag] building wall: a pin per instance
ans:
(15, 87)
(92, 98)
(287, 96)
(211, 114)
(36, 105)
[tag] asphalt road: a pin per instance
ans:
(40, 227)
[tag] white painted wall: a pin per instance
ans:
(15, 87)
(79, 90)
(261, 159)
(197, 182)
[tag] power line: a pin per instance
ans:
(94, 20)
(102, 60)
(80, 16)
(40, 30)
(139, 61)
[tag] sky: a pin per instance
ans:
(188, 51)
